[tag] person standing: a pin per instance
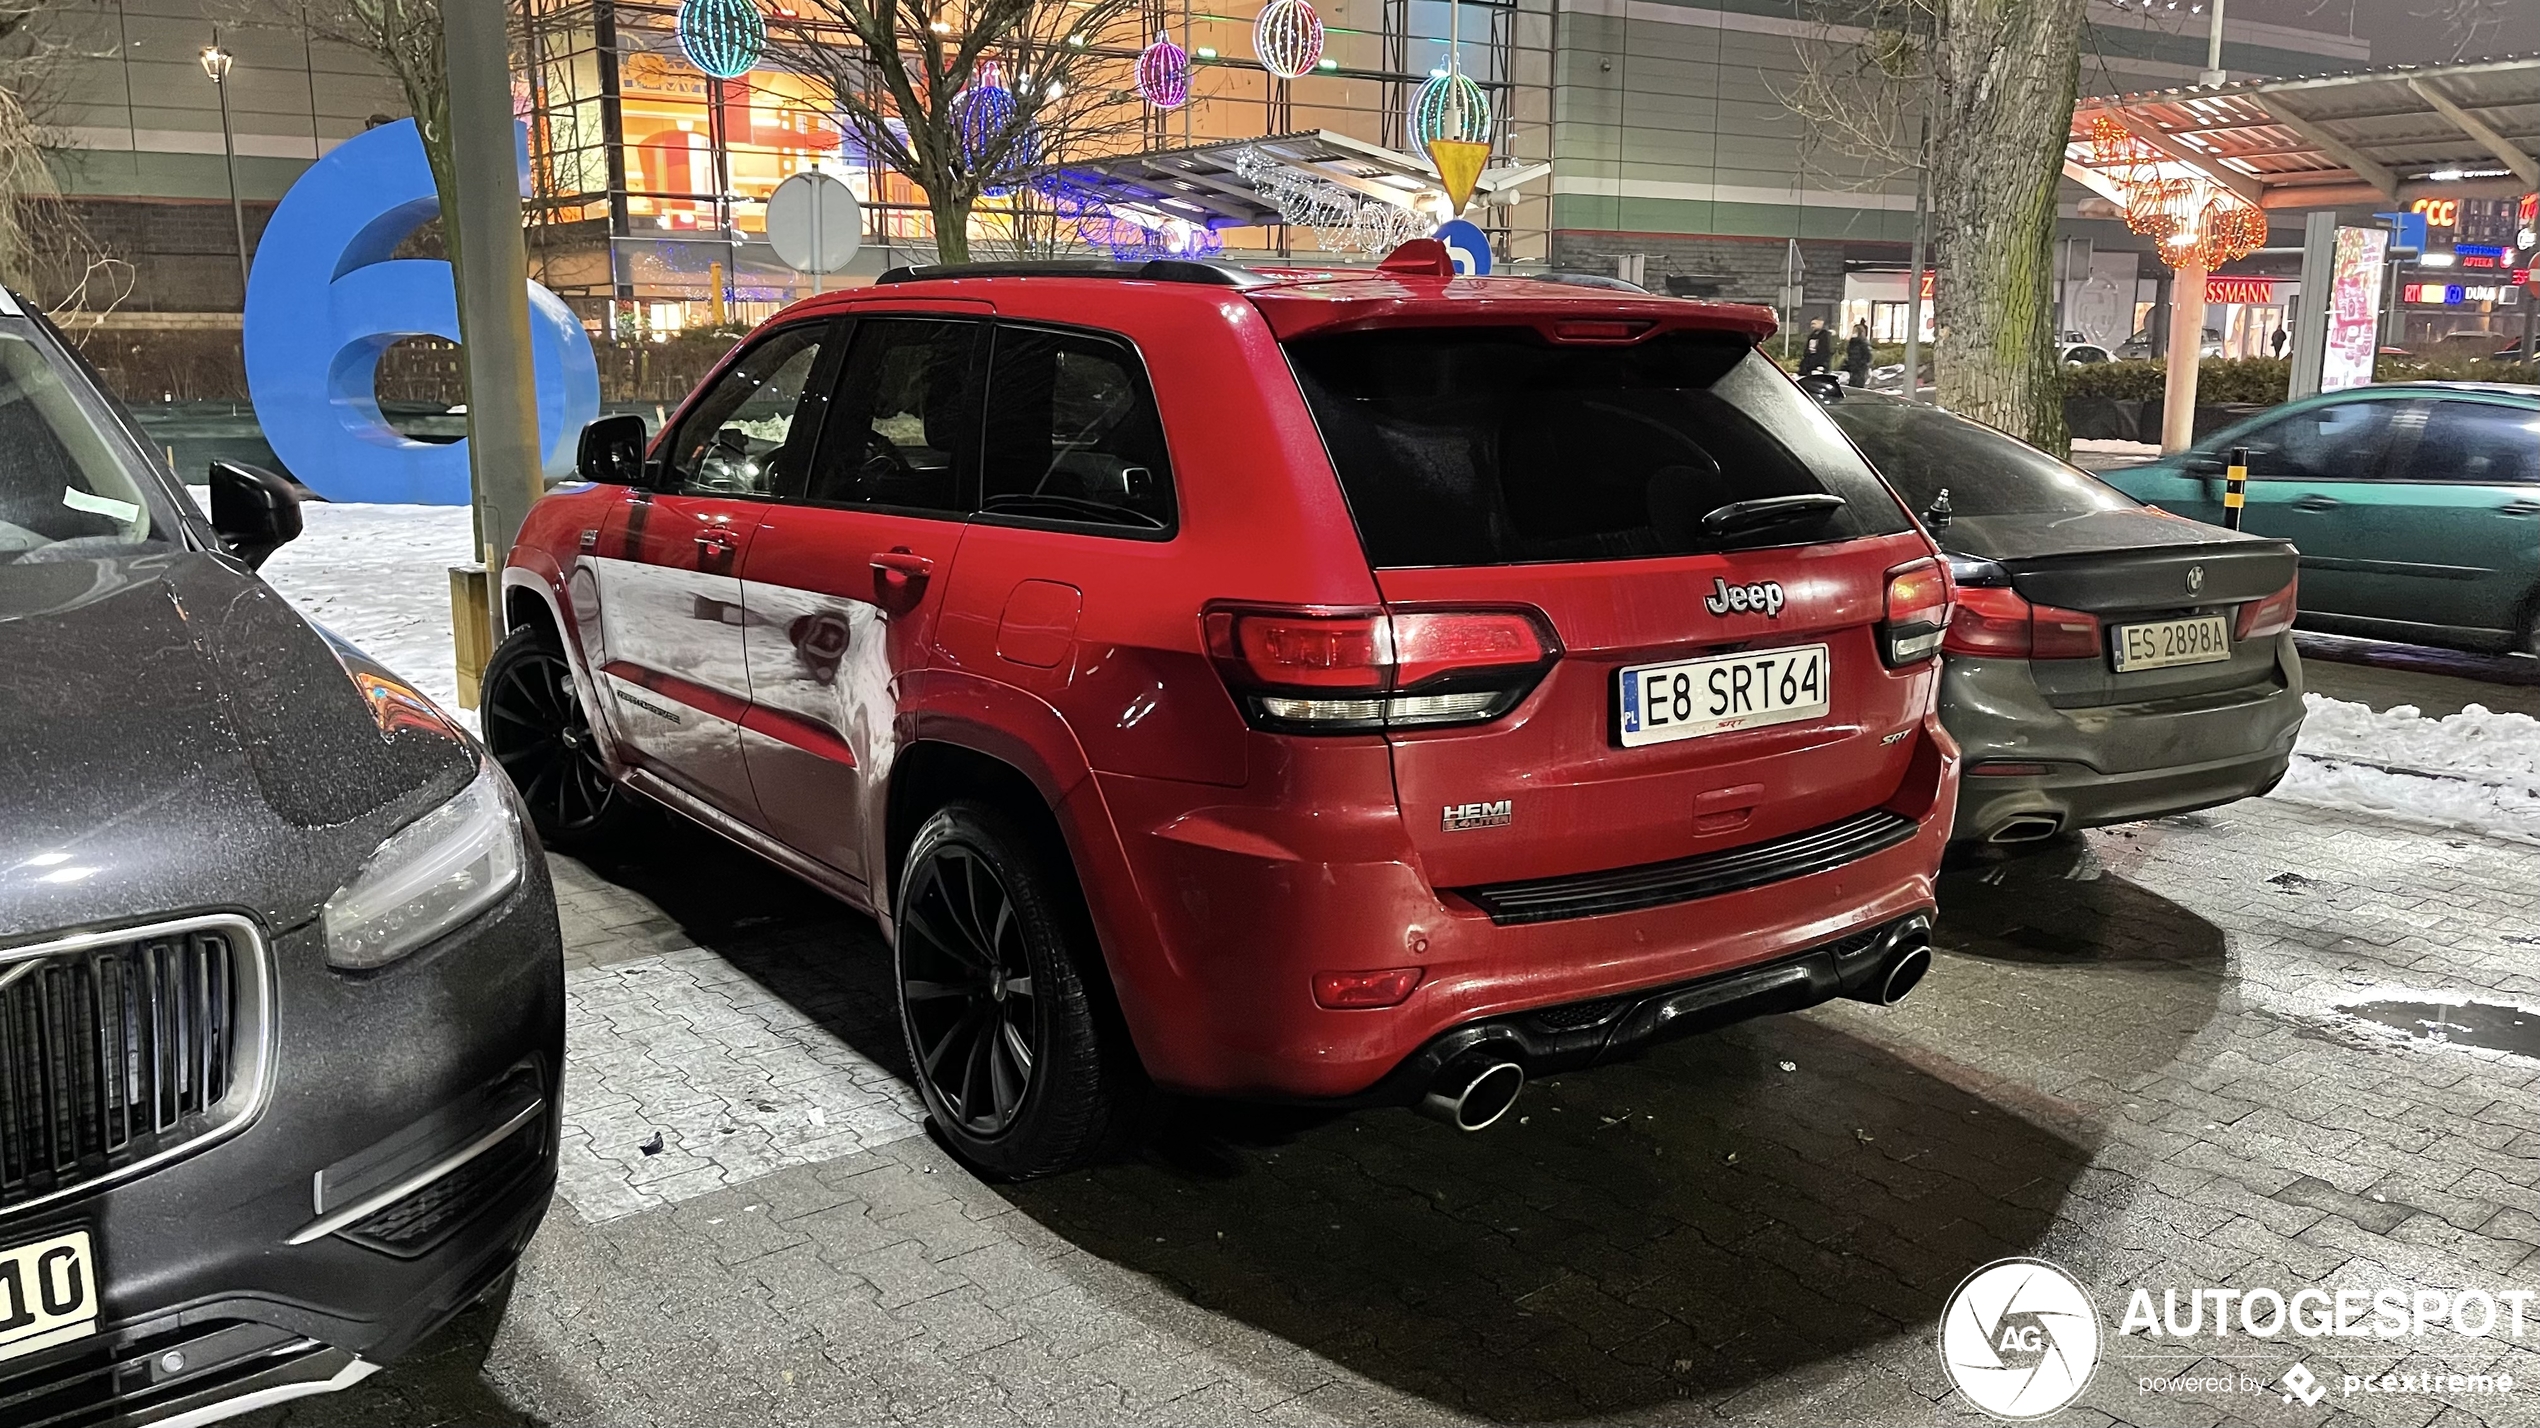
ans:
(1818, 355)
(2277, 341)
(1856, 355)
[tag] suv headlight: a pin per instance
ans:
(428, 877)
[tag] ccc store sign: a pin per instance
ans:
(325, 299)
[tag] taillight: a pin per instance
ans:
(1994, 622)
(1322, 671)
(2271, 616)
(1917, 612)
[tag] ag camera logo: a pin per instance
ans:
(2020, 1338)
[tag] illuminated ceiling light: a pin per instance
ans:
(941, 27)
(1207, 52)
(2446, 175)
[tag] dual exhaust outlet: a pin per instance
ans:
(1476, 1093)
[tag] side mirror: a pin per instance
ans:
(255, 511)
(612, 451)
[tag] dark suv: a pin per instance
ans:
(281, 991)
(1354, 688)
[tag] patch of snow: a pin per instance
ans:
(2477, 769)
(2105, 446)
(380, 577)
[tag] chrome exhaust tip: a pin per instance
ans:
(2027, 828)
(1901, 964)
(1903, 974)
(1472, 1098)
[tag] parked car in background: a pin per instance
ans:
(1353, 688)
(2416, 507)
(2144, 345)
(2084, 354)
(2106, 662)
(281, 988)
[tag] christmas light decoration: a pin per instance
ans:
(1340, 219)
(1450, 106)
(1164, 74)
(2192, 218)
(1287, 37)
(724, 38)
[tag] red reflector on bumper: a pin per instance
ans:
(1351, 991)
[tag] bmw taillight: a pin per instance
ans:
(1993, 622)
(2271, 616)
(1917, 612)
(1303, 670)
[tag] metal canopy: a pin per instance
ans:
(1201, 185)
(2324, 141)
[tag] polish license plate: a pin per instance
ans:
(48, 1293)
(1689, 698)
(2162, 643)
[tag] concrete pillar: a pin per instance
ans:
(2187, 339)
(2310, 314)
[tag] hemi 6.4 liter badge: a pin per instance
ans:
(1462, 817)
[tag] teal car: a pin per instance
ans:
(2416, 507)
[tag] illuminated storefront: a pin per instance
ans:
(651, 178)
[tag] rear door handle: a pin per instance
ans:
(2317, 503)
(2520, 508)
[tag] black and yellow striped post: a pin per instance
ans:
(2235, 487)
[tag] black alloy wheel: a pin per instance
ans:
(1012, 1044)
(966, 980)
(536, 729)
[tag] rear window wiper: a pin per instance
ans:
(1068, 508)
(1763, 513)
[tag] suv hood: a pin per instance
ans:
(174, 738)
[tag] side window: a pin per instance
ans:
(754, 430)
(904, 420)
(1072, 432)
(2342, 441)
(2479, 443)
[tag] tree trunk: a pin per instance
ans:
(952, 226)
(2006, 72)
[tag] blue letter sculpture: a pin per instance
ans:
(325, 299)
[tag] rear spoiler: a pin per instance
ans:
(1345, 302)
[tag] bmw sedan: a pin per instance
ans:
(2416, 507)
(281, 989)
(2107, 661)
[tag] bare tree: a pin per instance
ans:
(965, 100)
(45, 251)
(1992, 82)
(2469, 26)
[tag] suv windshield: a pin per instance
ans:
(1494, 446)
(68, 491)
(1922, 449)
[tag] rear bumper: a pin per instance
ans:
(2111, 763)
(1243, 914)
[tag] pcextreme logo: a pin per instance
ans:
(2020, 1338)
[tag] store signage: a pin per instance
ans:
(2439, 212)
(2450, 294)
(2354, 308)
(2240, 290)
(325, 299)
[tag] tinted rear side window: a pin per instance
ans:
(1494, 446)
(1922, 450)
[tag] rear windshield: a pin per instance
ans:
(1494, 446)
(1923, 449)
(68, 489)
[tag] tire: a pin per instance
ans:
(536, 729)
(1007, 1037)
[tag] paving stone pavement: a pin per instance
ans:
(2129, 1060)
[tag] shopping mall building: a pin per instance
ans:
(1658, 139)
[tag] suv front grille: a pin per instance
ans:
(1684, 879)
(118, 1048)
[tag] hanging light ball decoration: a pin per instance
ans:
(982, 112)
(1287, 37)
(724, 38)
(1450, 106)
(2190, 217)
(1164, 74)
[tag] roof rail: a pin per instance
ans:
(1153, 270)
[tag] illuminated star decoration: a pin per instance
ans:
(1164, 74)
(1287, 37)
(721, 37)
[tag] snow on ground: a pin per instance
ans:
(2099, 446)
(2476, 769)
(380, 577)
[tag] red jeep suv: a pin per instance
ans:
(1350, 687)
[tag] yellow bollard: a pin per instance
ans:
(2235, 487)
(471, 629)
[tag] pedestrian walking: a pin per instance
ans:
(2277, 342)
(1856, 355)
(1818, 355)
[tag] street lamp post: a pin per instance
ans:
(216, 63)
